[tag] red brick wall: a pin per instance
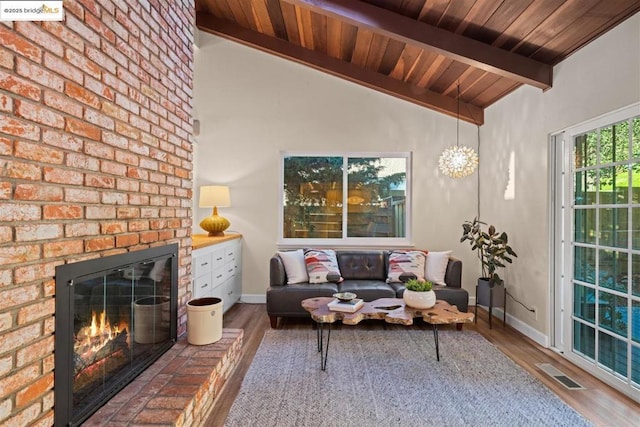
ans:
(95, 159)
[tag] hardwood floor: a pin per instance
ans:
(599, 403)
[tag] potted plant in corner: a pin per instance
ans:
(494, 252)
(419, 294)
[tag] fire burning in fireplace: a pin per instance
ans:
(98, 337)
(99, 347)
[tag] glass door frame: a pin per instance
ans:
(562, 145)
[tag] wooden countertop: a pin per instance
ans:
(199, 241)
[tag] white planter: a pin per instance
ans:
(204, 321)
(421, 300)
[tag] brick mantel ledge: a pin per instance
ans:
(178, 389)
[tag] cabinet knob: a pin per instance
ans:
(204, 286)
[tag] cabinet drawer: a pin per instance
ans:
(218, 257)
(202, 264)
(229, 271)
(230, 254)
(202, 286)
(230, 292)
(219, 275)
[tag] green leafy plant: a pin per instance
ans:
(492, 247)
(418, 285)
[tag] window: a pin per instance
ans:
(350, 199)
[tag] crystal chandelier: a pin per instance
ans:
(456, 161)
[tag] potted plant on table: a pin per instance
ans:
(419, 294)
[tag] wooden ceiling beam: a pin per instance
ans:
(408, 92)
(429, 37)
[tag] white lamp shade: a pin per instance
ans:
(214, 195)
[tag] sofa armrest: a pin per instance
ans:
(277, 275)
(453, 275)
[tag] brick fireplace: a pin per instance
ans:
(95, 160)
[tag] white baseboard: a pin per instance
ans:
(520, 326)
(254, 298)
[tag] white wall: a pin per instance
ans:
(601, 77)
(252, 106)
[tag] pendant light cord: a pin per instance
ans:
(478, 127)
(458, 116)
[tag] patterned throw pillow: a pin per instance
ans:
(405, 265)
(322, 266)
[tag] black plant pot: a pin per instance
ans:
(491, 295)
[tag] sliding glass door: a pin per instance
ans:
(602, 246)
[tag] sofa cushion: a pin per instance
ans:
(454, 296)
(365, 264)
(294, 266)
(368, 290)
(287, 300)
(436, 266)
(322, 266)
(405, 265)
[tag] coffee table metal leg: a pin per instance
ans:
(323, 347)
(435, 338)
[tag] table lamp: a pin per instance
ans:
(214, 196)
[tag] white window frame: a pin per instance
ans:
(386, 242)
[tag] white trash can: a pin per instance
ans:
(204, 321)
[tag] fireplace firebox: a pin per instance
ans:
(114, 317)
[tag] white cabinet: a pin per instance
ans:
(217, 270)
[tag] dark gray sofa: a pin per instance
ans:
(364, 273)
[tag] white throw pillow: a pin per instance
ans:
(436, 266)
(294, 266)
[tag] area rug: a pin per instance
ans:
(392, 378)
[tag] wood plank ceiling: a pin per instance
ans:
(422, 50)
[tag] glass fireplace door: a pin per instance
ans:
(121, 320)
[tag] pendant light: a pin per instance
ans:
(457, 161)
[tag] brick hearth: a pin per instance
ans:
(178, 389)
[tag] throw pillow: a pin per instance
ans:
(405, 265)
(294, 266)
(437, 266)
(322, 266)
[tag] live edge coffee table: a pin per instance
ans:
(391, 310)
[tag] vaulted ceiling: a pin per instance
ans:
(422, 51)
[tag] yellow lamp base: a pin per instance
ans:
(215, 225)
